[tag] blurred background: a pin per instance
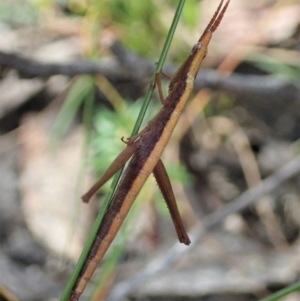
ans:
(73, 74)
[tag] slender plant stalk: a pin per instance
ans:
(116, 179)
(282, 293)
(88, 104)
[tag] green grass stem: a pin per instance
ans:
(283, 292)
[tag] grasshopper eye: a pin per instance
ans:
(196, 47)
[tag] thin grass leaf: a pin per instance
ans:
(275, 67)
(283, 293)
(87, 123)
(76, 96)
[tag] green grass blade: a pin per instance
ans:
(282, 293)
(76, 96)
(159, 66)
(88, 107)
(106, 203)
